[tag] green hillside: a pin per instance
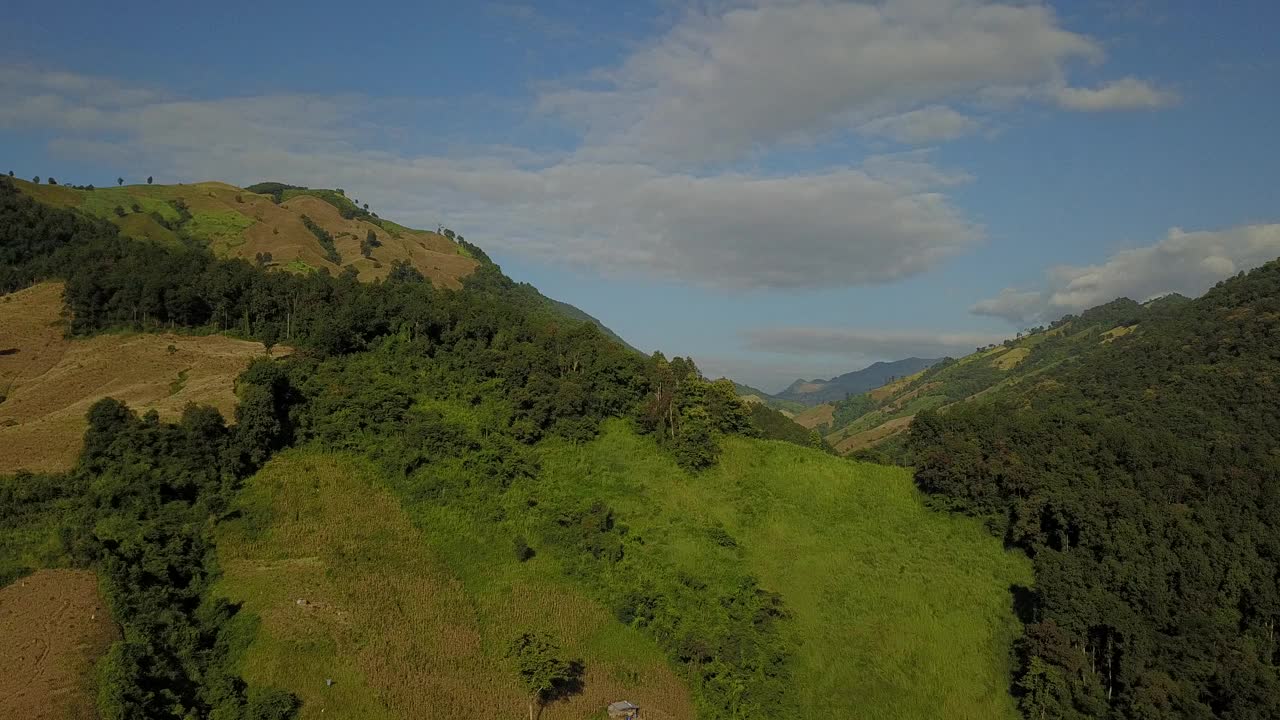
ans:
(922, 602)
(815, 392)
(879, 417)
(410, 621)
(894, 611)
(431, 474)
(1141, 479)
(281, 226)
(756, 395)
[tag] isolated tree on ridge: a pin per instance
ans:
(120, 181)
(148, 179)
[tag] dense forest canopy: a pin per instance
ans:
(1142, 480)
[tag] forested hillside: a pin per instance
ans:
(878, 419)
(1142, 480)
(467, 407)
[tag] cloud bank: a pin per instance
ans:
(1184, 262)
(664, 176)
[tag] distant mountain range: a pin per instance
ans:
(816, 392)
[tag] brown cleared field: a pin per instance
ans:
(53, 626)
(348, 588)
(50, 382)
(811, 418)
(238, 223)
(876, 434)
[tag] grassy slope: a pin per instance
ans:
(238, 223)
(899, 612)
(979, 374)
(410, 619)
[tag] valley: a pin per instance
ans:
(362, 521)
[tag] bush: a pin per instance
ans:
(522, 550)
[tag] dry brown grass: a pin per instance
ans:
(1011, 359)
(887, 391)
(275, 229)
(811, 418)
(53, 625)
(384, 616)
(51, 382)
(876, 434)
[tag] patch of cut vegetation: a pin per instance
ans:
(51, 381)
(896, 612)
(53, 626)
(409, 622)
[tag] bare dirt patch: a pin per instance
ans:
(823, 414)
(53, 626)
(50, 382)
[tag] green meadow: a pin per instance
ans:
(408, 601)
(897, 611)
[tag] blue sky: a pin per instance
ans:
(777, 189)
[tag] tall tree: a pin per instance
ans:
(541, 666)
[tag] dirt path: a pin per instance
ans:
(53, 625)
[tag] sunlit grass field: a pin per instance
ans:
(408, 604)
(898, 611)
(408, 624)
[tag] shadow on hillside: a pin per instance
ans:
(565, 689)
(1026, 603)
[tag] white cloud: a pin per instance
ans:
(928, 124)
(1183, 262)
(646, 189)
(884, 344)
(1011, 304)
(841, 227)
(1124, 94)
(722, 84)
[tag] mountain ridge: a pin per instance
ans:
(818, 391)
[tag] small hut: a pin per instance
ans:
(624, 710)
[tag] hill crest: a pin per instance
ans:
(296, 229)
